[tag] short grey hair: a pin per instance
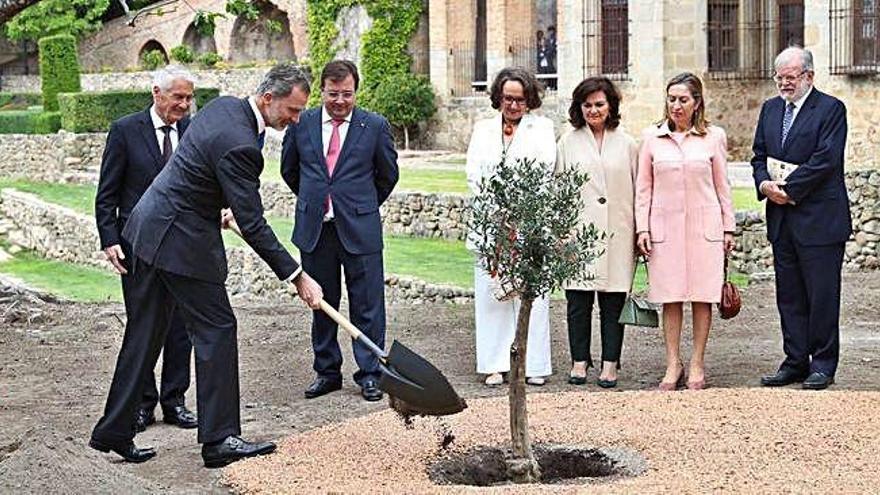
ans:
(787, 56)
(163, 78)
(281, 79)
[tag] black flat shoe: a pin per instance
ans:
(128, 451)
(606, 383)
(233, 448)
(783, 377)
(143, 418)
(818, 381)
(577, 380)
(322, 386)
(370, 391)
(180, 416)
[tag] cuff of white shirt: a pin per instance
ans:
(294, 275)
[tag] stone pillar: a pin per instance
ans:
(570, 44)
(496, 37)
(438, 46)
(684, 41)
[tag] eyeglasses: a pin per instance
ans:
(345, 95)
(788, 79)
(510, 100)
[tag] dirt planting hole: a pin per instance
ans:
(560, 464)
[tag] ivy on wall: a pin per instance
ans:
(383, 47)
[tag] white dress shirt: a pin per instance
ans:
(326, 133)
(158, 124)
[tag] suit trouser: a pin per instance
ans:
(365, 281)
(205, 306)
(580, 316)
(808, 299)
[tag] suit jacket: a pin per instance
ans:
(816, 142)
(176, 224)
(365, 174)
(534, 139)
(132, 159)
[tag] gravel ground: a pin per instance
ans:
(742, 440)
(55, 371)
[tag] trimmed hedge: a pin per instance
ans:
(93, 112)
(59, 68)
(29, 122)
(17, 100)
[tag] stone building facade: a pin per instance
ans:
(642, 43)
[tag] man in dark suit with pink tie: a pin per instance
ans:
(340, 162)
(808, 217)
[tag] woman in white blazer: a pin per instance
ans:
(512, 135)
(599, 147)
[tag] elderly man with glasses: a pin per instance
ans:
(798, 166)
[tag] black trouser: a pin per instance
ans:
(808, 299)
(580, 312)
(205, 307)
(176, 355)
(365, 282)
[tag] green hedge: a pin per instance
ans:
(19, 100)
(59, 68)
(29, 122)
(93, 112)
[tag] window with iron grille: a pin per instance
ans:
(855, 37)
(723, 34)
(606, 38)
(790, 27)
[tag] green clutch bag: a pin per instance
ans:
(637, 311)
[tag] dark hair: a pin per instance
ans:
(532, 88)
(695, 86)
(281, 79)
(587, 87)
(337, 70)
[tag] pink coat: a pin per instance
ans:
(683, 200)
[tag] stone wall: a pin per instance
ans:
(61, 157)
(60, 233)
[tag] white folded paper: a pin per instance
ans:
(778, 169)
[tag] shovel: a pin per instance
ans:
(415, 385)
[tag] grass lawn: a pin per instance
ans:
(78, 197)
(68, 280)
(744, 199)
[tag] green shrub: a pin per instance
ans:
(403, 99)
(93, 112)
(59, 68)
(153, 59)
(19, 101)
(209, 59)
(182, 54)
(29, 122)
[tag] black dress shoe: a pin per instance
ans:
(577, 380)
(180, 416)
(233, 448)
(143, 418)
(370, 391)
(818, 381)
(128, 451)
(783, 377)
(606, 383)
(322, 386)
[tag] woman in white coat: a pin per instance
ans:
(512, 135)
(610, 156)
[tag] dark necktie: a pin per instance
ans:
(261, 139)
(787, 119)
(166, 143)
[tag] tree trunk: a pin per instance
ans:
(405, 137)
(8, 8)
(522, 468)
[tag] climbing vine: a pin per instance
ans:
(383, 47)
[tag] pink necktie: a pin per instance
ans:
(333, 149)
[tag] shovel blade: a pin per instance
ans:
(410, 378)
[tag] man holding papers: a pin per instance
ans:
(798, 166)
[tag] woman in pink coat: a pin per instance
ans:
(684, 221)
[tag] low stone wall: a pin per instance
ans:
(60, 233)
(236, 82)
(61, 157)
